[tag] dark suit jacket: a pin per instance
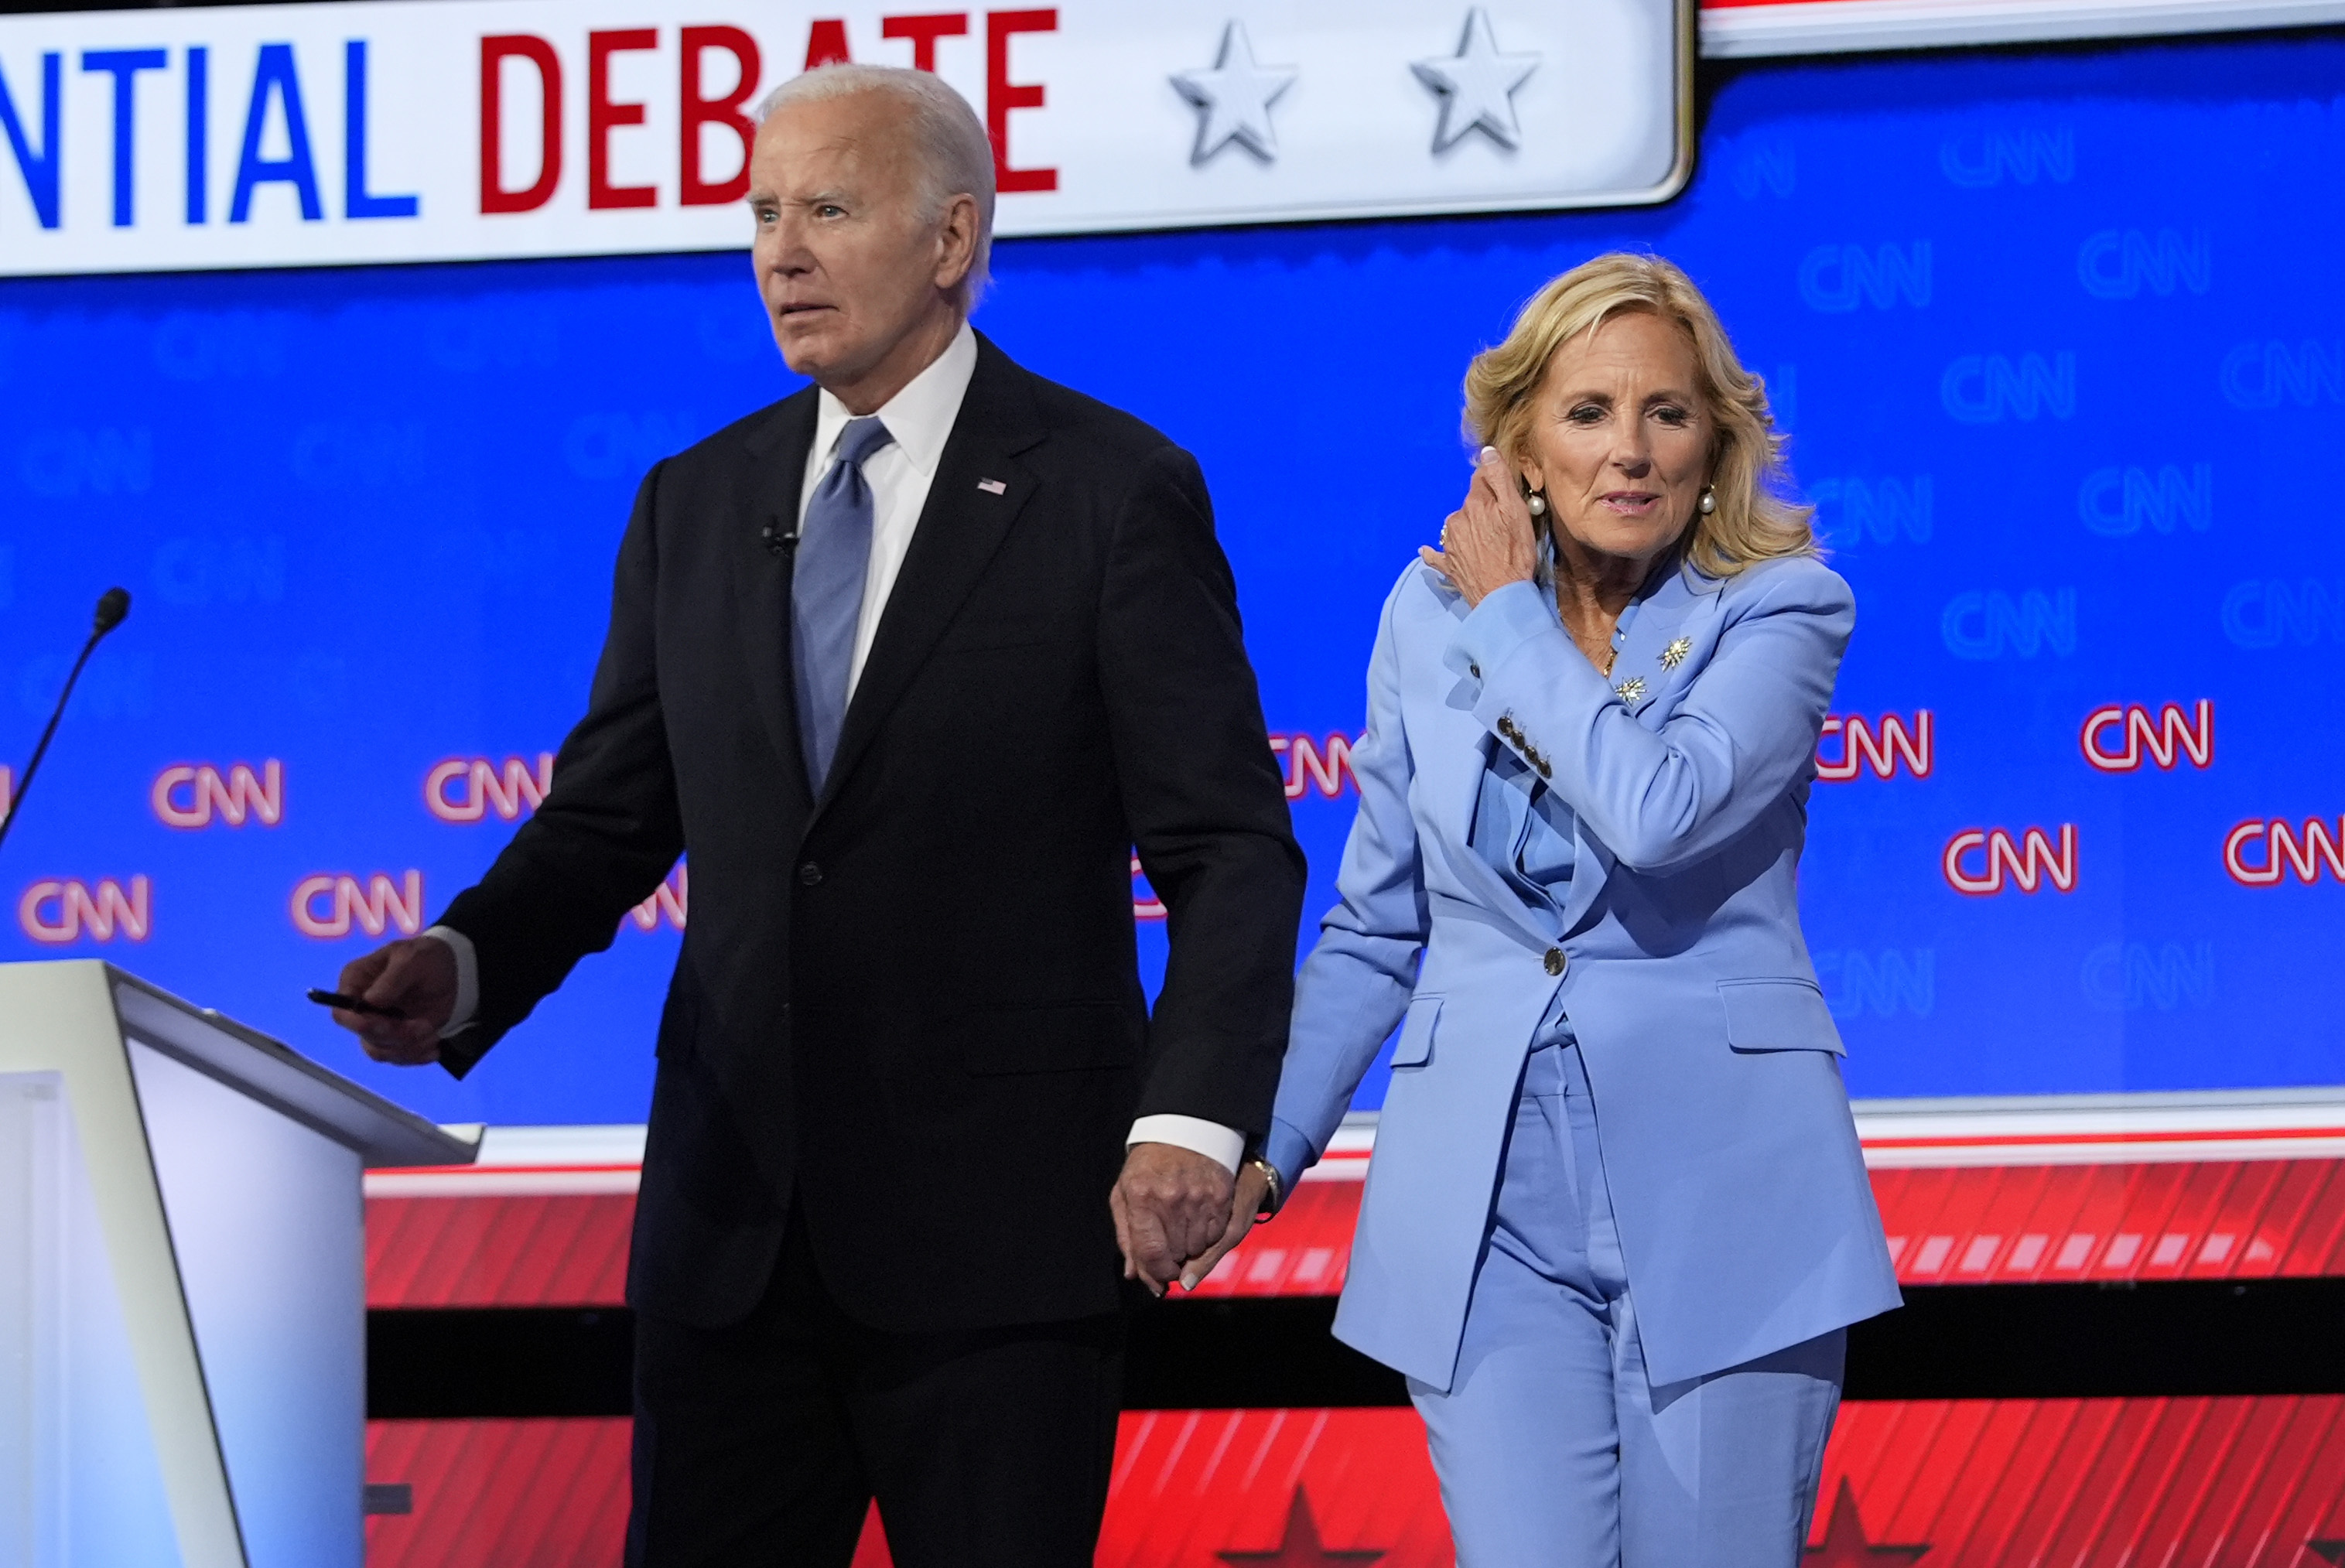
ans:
(913, 1003)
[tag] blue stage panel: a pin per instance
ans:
(2055, 336)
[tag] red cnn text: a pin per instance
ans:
(1980, 861)
(1877, 744)
(67, 910)
(467, 789)
(666, 903)
(328, 905)
(2119, 738)
(2279, 849)
(1307, 765)
(196, 795)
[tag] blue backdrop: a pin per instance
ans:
(2056, 336)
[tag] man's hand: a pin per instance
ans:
(1251, 1184)
(418, 977)
(1171, 1204)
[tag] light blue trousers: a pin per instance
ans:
(1553, 1449)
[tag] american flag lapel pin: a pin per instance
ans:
(992, 486)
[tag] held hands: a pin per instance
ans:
(1252, 1185)
(416, 976)
(1177, 1211)
(1491, 541)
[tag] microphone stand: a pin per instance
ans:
(113, 606)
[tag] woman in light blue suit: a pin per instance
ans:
(1618, 1218)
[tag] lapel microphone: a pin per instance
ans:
(779, 542)
(113, 606)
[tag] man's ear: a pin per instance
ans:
(957, 241)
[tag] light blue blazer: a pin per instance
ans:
(1736, 1179)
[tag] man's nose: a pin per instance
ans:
(782, 247)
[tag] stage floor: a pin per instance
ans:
(2116, 1350)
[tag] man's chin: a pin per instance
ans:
(809, 350)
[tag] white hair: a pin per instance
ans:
(956, 157)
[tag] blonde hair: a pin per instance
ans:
(1754, 522)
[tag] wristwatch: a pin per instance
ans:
(1271, 1194)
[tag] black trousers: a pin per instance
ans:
(764, 1443)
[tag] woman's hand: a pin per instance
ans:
(1252, 1185)
(1491, 541)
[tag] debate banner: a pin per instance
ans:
(456, 130)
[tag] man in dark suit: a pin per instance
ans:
(909, 663)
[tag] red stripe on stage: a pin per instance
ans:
(2212, 1219)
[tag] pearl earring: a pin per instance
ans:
(1709, 500)
(1539, 504)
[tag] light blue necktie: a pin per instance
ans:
(826, 593)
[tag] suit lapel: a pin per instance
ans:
(1454, 770)
(1666, 644)
(961, 527)
(779, 450)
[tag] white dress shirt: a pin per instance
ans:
(920, 418)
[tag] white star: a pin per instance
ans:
(1476, 86)
(1235, 97)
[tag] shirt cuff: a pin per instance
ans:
(1223, 1145)
(1290, 1154)
(1505, 620)
(468, 979)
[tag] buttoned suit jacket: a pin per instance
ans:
(1736, 1179)
(911, 1006)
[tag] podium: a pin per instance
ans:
(182, 1281)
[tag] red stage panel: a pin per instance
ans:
(508, 1249)
(1188, 1486)
(2084, 1483)
(2160, 1191)
(2198, 1221)
(2081, 1483)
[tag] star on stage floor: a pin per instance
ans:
(1846, 1545)
(1301, 1547)
(1233, 100)
(1476, 86)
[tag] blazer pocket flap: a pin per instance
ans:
(1082, 1038)
(1415, 1048)
(1778, 1016)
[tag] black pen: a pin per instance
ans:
(352, 1003)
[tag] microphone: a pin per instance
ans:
(113, 608)
(777, 541)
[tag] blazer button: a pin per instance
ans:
(1555, 961)
(810, 874)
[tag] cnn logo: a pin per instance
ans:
(1876, 744)
(197, 795)
(468, 789)
(668, 902)
(2028, 861)
(2283, 848)
(2119, 738)
(63, 910)
(1307, 765)
(330, 904)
